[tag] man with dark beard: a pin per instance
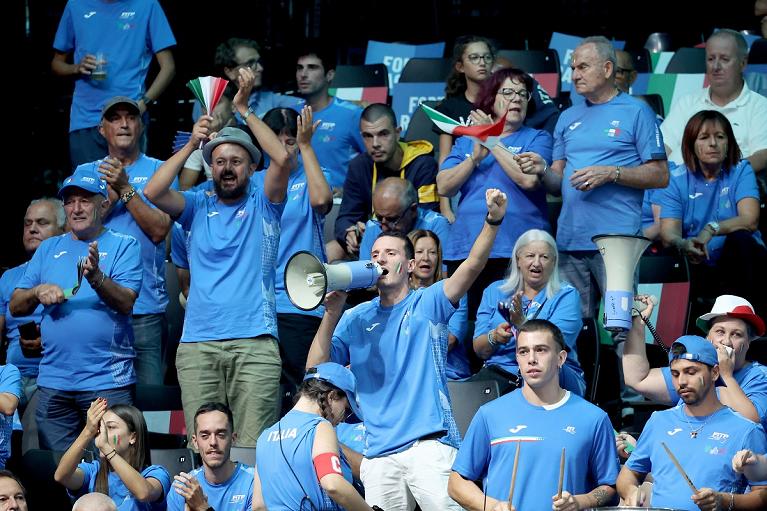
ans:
(228, 350)
(702, 433)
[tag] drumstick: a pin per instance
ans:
(561, 474)
(514, 473)
(679, 467)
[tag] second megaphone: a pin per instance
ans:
(307, 279)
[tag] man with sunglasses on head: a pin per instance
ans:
(395, 209)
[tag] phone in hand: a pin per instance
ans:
(29, 331)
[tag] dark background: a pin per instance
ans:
(37, 103)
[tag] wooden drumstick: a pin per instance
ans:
(679, 467)
(514, 473)
(561, 474)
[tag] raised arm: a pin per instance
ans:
(276, 179)
(319, 351)
(67, 472)
(320, 195)
(158, 190)
(460, 282)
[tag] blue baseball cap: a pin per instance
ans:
(341, 377)
(86, 178)
(696, 349)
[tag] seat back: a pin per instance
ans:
(655, 101)
(174, 460)
(757, 54)
(419, 70)
(367, 83)
(420, 127)
(688, 61)
(666, 276)
(467, 396)
(542, 64)
(588, 346)
(642, 60)
(164, 415)
(37, 469)
(246, 455)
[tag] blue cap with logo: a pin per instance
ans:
(341, 377)
(696, 349)
(86, 178)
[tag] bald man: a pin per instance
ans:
(94, 502)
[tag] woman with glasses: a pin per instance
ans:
(510, 166)
(299, 465)
(710, 212)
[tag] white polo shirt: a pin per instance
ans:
(747, 113)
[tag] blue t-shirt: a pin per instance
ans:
(153, 298)
(707, 459)
(10, 382)
(337, 139)
(563, 309)
(526, 210)
(178, 246)
(301, 228)
(128, 33)
(458, 366)
(621, 132)
(752, 379)
(8, 282)
(232, 258)
(427, 220)
(103, 356)
(353, 436)
(584, 430)
(649, 198)
(236, 494)
(695, 201)
(392, 351)
(117, 490)
(285, 466)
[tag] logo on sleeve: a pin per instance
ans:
(674, 432)
(574, 125)
(56, 256)
(518, 428)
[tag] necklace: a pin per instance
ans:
(694, 431)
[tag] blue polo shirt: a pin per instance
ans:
(103, 356)
(526, 209)
(707, 459)
(128, 33)
(695, 201)
(8, 282)
(621, 132)
(236, 494)
(540, 432)
(119, 493)
(301, 228)
(393, 350)
(427, 220)
(232, 258)
(337, 139)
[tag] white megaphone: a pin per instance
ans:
(621, 253)
(307, 279)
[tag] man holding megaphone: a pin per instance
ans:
(396, 345)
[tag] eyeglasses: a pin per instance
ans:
(252, 63)
(391, 221)
(474, 58)
(509, 93)
(623, 71)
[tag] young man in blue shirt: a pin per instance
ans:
(702, 433)
(396, 343)
(220, 484)
(542, 418)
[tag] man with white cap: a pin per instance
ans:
(87, 281)
(228, 350)
(731, 326)
(702, 434)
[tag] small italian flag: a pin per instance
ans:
(482, 132)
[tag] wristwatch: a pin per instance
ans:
(714, 226)
(128, 195)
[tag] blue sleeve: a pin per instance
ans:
(473, 457)
(174, 501)
(461, 147)
(603, 463)
(190, 205)
(160, 33)
(339, 346)
(90, 469)
(10, 380)
(673, 396)
(285, 101)
(270, 210)
(368, 238)
(757, 442)
(32, 273)
(435, 304)
(542, 144)
(745, 182)
(459, 322)
(64, 40)
(649, 139)
(161, 475)
(5, 293)
(566, 315)
(639, 461)
(672, 202)
(127, 270)
(558, 152)
(178, 253)
(755, 389)
(486, 311)
(441, 227)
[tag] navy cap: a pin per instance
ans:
(341, 377)
(86, 178)
(696, 349)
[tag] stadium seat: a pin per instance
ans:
(37, 469)
(467, 396)
(246, 455)
(757, 54)
(667, 277)
(641, 59)
(655, 101)
(366, 83)
(174, 460)
(419, 70)
(687, 61)
(163, 412)
(420, 127)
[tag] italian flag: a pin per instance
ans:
(482, 132)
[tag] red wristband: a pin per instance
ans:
(327, 463)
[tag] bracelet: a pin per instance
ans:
(732, 502)
(545, 169)
(617, 174)
(101, 282)
(247, 114)
(111, 454)
(493, 222)
(491, 339)
(127, 196)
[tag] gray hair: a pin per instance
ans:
(94, 502)
(740, 41)
(58, 209)
(401, 187)
(513, 282)
(605, 49)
